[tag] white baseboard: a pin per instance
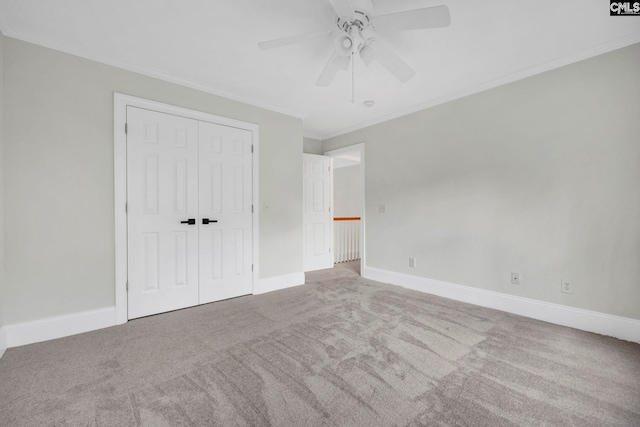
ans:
(276, 283)
(592, 321)
(3, 342)
(60, 326)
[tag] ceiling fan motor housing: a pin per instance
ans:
(363, 12)
(359, 20)
(351, 40)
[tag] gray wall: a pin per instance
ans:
(347, 191)
(2, 168)
(312, 146)
(540, 177)
(58, 139)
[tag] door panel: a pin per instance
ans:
(317, 216)
(162, 191)
(225, 196)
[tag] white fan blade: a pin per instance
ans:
(392, 62)
(336, 62)
(300, 38)
(342, 8)
(417, 19)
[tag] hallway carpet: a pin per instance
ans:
(339, 351)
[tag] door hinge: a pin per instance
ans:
(329, 208)
(329, 168)
(251, 267)
(329, 250)
(127, 286)
(126, 207)
(126, 128)
(251, 208)
(252, 148)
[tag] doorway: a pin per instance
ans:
(349, 202)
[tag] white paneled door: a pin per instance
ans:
(317, 216)
(189, 192)
(162, 196)
(225, 212)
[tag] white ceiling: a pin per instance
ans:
(212, 45)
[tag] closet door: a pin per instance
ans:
(225, 212)
(162, 206)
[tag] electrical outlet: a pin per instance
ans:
(515, 278)
(566, 287)
(412, 262)
(382, 208)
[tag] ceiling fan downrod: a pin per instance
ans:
(353, 78)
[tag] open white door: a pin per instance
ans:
(162, 205)
(317, 216)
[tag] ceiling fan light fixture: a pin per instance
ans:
(367, 54)
(343, 44)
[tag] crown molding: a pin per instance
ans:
(509, 78)
(312, 135)
(161, 75)
(146, 71)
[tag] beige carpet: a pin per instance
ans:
(339, 351)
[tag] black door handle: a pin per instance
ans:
(206, 221)
(190, 221)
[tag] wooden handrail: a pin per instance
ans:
(347, 218)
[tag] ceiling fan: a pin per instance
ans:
(357, 34)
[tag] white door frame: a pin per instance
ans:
(120, 103)
(350, 149)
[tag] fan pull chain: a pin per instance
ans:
(353, 79)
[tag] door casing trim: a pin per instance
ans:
(120, 103)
